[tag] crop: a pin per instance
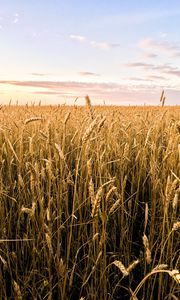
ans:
(89, 202)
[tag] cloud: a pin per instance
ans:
(151, 55)
(79, 87)
(94, 44)
(165, 46)
(39, 74)
(78, 38)
(173, 72)
(88, 74)
(147, 78)
(145, 43)
(103, 45)
(136, 79)
(59, 85)
(16, 18)
(139, 64)
(112, 93)
(154, 77)
(166, 68)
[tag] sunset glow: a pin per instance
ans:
(117, 52)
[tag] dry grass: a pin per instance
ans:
(84, 192)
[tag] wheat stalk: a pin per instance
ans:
(115, 206)
(125, 271)
(61, 154)
(89, 130)
(147, 250)
(33, 119)
(96, 203)
(176, 226)
(88, 103)
(17, 290)
(174, 274)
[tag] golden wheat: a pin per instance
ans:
(79, 188)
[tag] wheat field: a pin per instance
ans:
(89, 202)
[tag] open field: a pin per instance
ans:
(89, 202)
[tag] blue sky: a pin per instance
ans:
(120, 52)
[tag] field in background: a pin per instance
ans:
(89, 202)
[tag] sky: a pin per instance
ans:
(118, 52)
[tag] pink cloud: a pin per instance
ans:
(166, 68)
(165, 46)
(112, 93)
(80, 87)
